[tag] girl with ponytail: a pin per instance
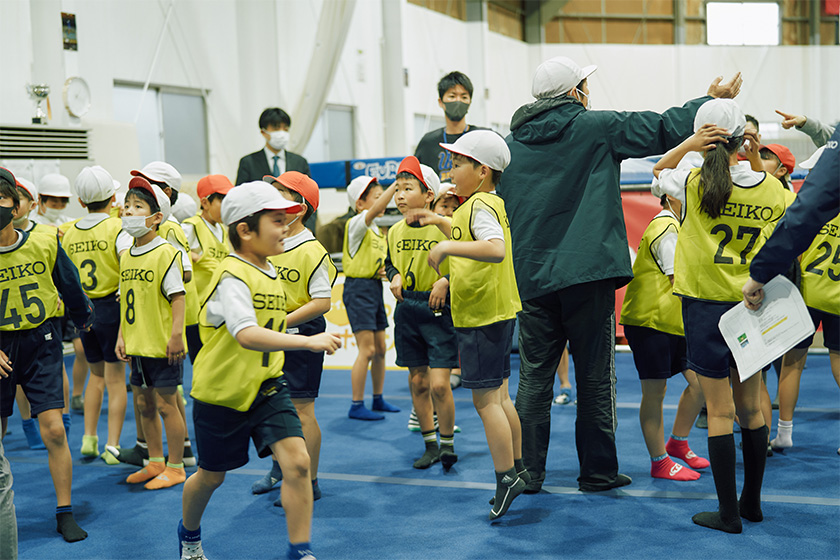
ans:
(724, 208)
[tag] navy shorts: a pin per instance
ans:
(155, 372)
(37, 356)
(706, 350)
(657, 355)
(420, 337)
(364, 304)
(302, 369)
(100, 340)
(485, 354)
(831, 330)
(221, 434)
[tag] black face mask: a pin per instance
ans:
(5, 216)
(455, 110)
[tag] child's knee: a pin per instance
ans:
(211, 479)
(53, 433)
(296, 463)
(440, 389)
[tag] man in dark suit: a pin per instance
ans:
(273, 159)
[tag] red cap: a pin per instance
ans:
(213, 184)
(302, 184)
(412, 165)
(784, 155)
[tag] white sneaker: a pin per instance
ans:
(192, 551)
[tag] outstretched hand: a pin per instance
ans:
(789, 121)
(727, 90)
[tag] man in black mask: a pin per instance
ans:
(454, 97)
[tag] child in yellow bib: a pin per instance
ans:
(35, 272)
(307, 274)
(94, 244)
(152, 330)
(363, 259)
(238, 386)
(423, 333)
(208, 243)
(485, 300)
(724, 207)
(168, 179)
(652, 319)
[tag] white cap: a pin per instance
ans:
(185, 207)
(94, 184)
(557, 76)
(484, 146)
(357, 186)
(53, 184)
(446, 189)
(161, 172)
(807, 164)
(29, 186)
(724, 113)
(160, 196)
(250, 198)
(431, 179)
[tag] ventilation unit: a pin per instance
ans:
(38, 142)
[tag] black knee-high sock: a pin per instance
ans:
(755, 458)
(722, 458)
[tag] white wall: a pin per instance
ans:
(253, 54)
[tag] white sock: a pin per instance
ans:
(784, 435)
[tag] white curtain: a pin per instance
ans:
(333, 25)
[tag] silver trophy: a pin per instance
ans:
(38, 92)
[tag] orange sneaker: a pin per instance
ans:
(150, 471)
(169, 477)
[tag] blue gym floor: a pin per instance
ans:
(375, 505)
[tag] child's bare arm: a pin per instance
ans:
(427, 217)
(308, 311)
(381, 203)
(490, 251)
(175, 350)
(702, 140)
(266, 340)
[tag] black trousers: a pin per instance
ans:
(583, 315)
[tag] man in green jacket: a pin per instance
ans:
(570, 251)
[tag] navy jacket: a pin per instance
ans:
(817, 203)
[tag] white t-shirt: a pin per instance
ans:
(173, 282)
(672, 181)
(485, 226)
(14, 245)
(319, 284)
(664, 247)
(231, 302)
(356, 231)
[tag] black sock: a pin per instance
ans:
(67, 526)
(722, 458)
(432, 453)
(508, 487)
(519, 466)
(755, 458)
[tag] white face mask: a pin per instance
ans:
(53, 215)
(279, 139)
(135, 226)
(588, 103)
